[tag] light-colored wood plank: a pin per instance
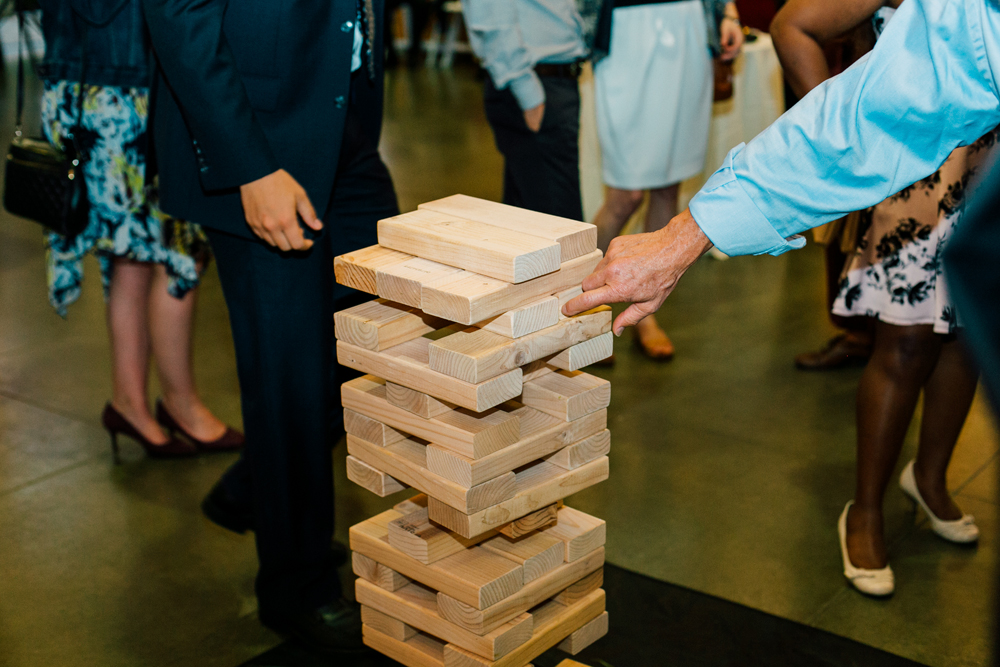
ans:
(541, 435)
(513, 256)
(478, 355)
(529, 523)
(589, 633)
(371, 478)
(580, 532)
(537, 485)
(466, 433)
(581, 589)
(378, 574)
(568, 295)
(417, 402)
(585, 354)
(536, 369)
(417, 606)
(421, 650)
(418, 538)
(387, 625)
(475, 576)
(369, 429)
(571, 663)
(406, 462)
(567, 395)
(357, 269)
(538, 554)
(404, 281)
(411, 505)
(585, 451)
(481, 621)
(527, 319)
(381, 324)
(406, 365)
(575, 238)
(468, 297)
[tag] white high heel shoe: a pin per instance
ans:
(960, 531)
(871, 582)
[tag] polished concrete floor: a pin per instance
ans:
(729, 467)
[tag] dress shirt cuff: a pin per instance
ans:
(528, 90)
(731, 219)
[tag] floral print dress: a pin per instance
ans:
(125, 219)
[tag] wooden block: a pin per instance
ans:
(418, 651)
(568, 295)
(479, 355)
(406, 462)
(581, 589)
(585, 451)
(585, 354)
(553, 623)
(416, 605)
(417, 402)
(386, 624)
(467, 297)
(370, 478)
(380, 324)
(357, 269)
(527, 319)
(580, 532)
(536, 369)
(475, 576)
(411, 505)
(418, 538)
(538, 485)
(541, 435)
(529, 523)
(538, 554)
(513, 256)
(378, 574)
(574, 238)
(370, 430)
(403, 281)
(466, 433)
(406, 364)
(570, 663)
(589, 633)
(567, 395)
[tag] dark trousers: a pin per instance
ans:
(541, 170)
(281, 309)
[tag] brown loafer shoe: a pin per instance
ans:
(839, 351)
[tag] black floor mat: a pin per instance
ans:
(656, 624)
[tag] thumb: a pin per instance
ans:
(305, 209)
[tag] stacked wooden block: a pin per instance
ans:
(473, 397)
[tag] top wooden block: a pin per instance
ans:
(502, 253)
(575, 238)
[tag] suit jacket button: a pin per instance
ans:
(340, 102)
(347, 26)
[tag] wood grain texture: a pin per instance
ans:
(417, 402)
(537, 485)
(357, 269)
(529, 523)
(541, 435)
(404, 281)
(575, 238)
(369, 429)
(583, 452)
(481, 621)
(512, 256)
(468, 297)
(476, 356)
(582, 588)
(476, 577)
(371, 478)
(421, 650)
(416, 605)
(406, 364)
(538, 554)
(386, 624)
(524, 320)
(580, 532)
(566, 395)
(536, 369)
(585, 353)
(418, 538)
(412, 504)
(381, 324)
(378, 574)
(466, 433)
(589, 633)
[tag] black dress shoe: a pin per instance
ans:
(839, 351)
(332, 628)
(225, 511)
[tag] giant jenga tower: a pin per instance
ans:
(474, 397)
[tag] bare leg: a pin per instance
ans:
(128, 330)
(902, 360)
(170, 322)
(662, 207)
(618, 207)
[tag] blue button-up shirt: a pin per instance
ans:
(929, 86)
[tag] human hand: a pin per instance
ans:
(272, 206)
(642, 269)
(731, 38)
(533, 117)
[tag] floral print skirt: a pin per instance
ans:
(125, 218)
(896, 274)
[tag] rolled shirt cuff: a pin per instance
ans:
(528, 90)
(731, 219)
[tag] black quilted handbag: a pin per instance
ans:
(43, 183)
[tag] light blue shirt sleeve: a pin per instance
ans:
(888, 121)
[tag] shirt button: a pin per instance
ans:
(339, 101)
(347, 26)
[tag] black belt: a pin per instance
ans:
(561, 70)
(633, 3)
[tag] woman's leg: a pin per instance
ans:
(128, 329)
(662, 207)
(618, 207)
(170, 323)
(901, 362)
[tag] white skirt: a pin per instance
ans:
(654, 95)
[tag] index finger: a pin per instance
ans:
(592, 299)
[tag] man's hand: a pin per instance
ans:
(272, 206)
(533, 117)
(731, 38)
(642, 269)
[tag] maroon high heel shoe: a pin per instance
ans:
(229, 441)
(115, 423)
